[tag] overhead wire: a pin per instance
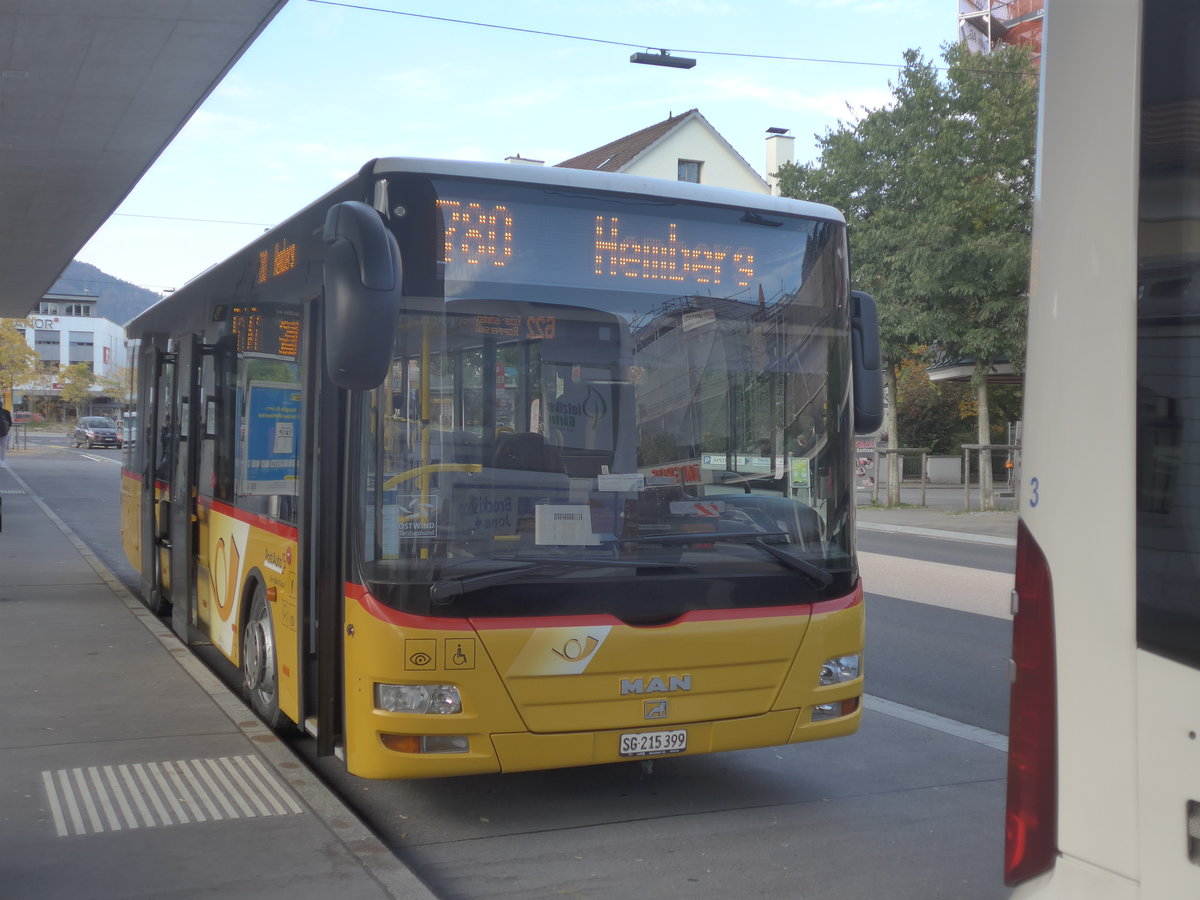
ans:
(594, 40)
(544, 33)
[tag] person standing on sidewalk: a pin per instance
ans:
(5, 428)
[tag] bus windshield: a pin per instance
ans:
(657, 420)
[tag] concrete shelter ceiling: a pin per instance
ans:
(91, 92)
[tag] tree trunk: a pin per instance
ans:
(893, 433)
(987, 499)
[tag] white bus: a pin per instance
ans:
(1104, 767)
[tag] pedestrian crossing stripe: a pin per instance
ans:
(96, 799)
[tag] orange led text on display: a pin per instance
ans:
(537, 328)
(289, 337)
(259, 332)
(477, 234)
(670, 260)
(279, 259)
(247, 325)
(512, 242)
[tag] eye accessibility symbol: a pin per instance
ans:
(420, 654)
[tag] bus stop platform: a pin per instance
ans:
(128, 770)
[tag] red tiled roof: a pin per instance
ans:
(615, 155)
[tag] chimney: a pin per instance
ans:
(523, 161)
(781, 148)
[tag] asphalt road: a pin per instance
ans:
(911, 807)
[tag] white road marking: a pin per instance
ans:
(937, 584)
(195, 790)
(925, 719)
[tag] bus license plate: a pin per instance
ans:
(647, 743)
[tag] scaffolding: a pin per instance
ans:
(986, 24)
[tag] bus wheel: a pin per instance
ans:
(260, 666)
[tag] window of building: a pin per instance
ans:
(689, 170)
(79, 309)
(46, 343)
(82, 348)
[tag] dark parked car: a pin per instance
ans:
(97, 431)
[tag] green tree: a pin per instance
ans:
(932, 415)
(936, 189)
(77, 380)
(18, 361)
(116, 385)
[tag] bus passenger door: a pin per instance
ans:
(159, 369)
(181, 518)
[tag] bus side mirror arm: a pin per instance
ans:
(362, 295)
(866, 361)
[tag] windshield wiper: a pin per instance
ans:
(755, 538)
(822, 576)
(447, 589)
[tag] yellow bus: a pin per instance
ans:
(485, 468)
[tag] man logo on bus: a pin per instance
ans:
(656, 685)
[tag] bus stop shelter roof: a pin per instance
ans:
(91, 92)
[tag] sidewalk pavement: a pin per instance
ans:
(128, 770)
(942, 516)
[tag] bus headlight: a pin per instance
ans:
(841, 669)
(441, 699)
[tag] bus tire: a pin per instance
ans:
(260, 663)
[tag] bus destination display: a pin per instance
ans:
(517, 242)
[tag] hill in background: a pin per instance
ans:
(119, 301)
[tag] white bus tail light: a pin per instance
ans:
(1031, 820)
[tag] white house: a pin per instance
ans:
(685, 148)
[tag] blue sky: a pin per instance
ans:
(326, 88)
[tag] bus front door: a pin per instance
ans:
(168, 504)
(159, 367)
(181, 515)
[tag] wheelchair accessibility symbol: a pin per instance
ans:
(459, 653)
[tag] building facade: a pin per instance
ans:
(684, 147)
(64, 331)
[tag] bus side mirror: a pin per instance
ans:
(866, 361)
(362, 295)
